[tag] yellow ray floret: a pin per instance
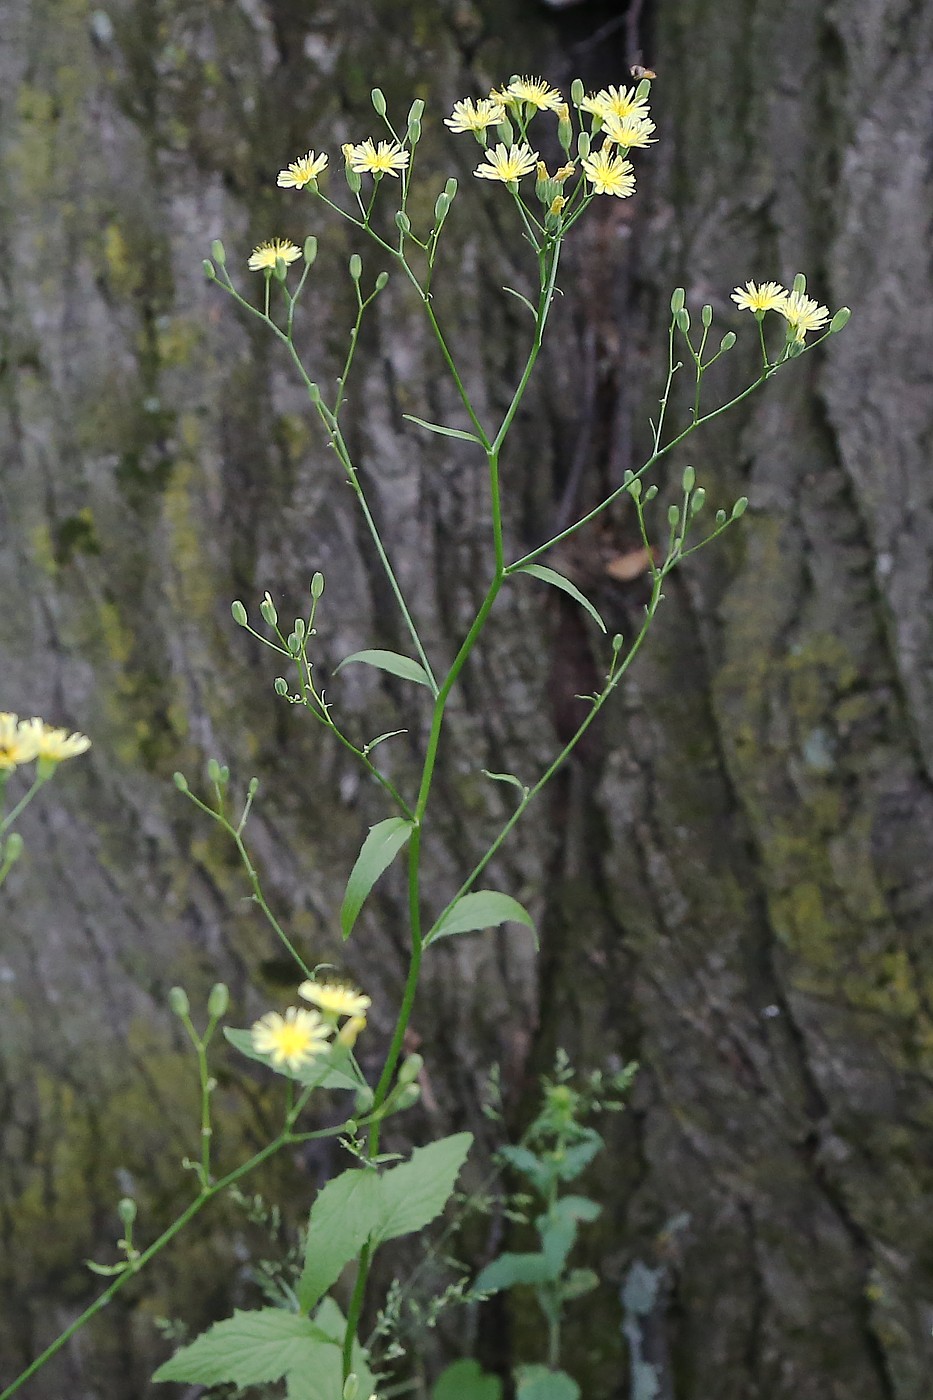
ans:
(534, 90)
(507, 163)
(616, 102)
(609, 174)
(267, 254)
(302, 172)
(475, 116)
(53, 745)
(630, 132)
(17, 743)
(334, 999)
(759, 298)
(293, 1039)
(803, 314)
(386, 159)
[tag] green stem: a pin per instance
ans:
(23, 802)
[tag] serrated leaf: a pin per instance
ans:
(344, 1215)
(538, 1383)
(466, 1380)
(391, 661)
(557, 580)
(439, 428)
(414, 1193)
(511, 1270)
(380, 848)
(323, 1383)
(480, 910)
(247, 1349)
(318, 1072)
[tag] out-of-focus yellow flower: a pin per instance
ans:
(267, 254)
(609, 174)
(302, 172)
(54, 745)
(475, 116)
(803, 314)
(333, 999)
(292, 1039)
(507, 163)
(349, 1031)
(18, 743)
(387, 158)
(760, 297)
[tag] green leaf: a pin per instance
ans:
(466, 1380)
(392, 662)
(577, 1283)
(380, 848)
(480, 910)
(319, 1072)
(511, 1270)
(538, 1383)
(523, 300)
(344, 1215)
(414, 1193)
(506, 778)
(320, 1385)
(439, 428)
(246, 1349)
(558, 581)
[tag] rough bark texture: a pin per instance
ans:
(733, 881)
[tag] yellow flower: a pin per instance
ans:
(387, 159)
(609, 174)
(292, 1039)
(507, 164)
(302, 172)
(557, 204)
(534, 90)
(803, 314)
(53, 745)
(348, 1033)
(768, 296)
(268, 254)
(334, 999)
(628, 131)
(18, 743)
(616, 102)
(565, 173)
(475, 116)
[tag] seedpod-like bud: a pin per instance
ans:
(267, 608)
(379, 102)
(673, 515)
(697, 500)
(683, 320)
(209, 272)
(583, 145)
(727, 341)
(180, 781)
(218, 252)
(178, 1001)
(126, 1209)
(840, 319)
(381, 281)
(689, 479)
(356, 266)
(281, 685)
(317, 585)
(218, 1001)
(706, 316)
(239, 613)
(678, 297)
(310, 249)
(740, 507)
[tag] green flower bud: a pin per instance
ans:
(727, 341)
(689, 478)
(281, 685)
(634, 489)
(178, 1001)
(126, 1209)
(673, 515)
(300, 627)
(441, 206)
(402, 221)
(209, 272)
(414, 132)
(415, 111)
(218, 1001)
(643, 89)
(583, 145)
(351, 1386)
(317, 585)
(218, 253)
(363, 1100)
(407, 1097)
(281, 270)
(740, 507)
(354, 180)
(617, 642)
(565, 135)
(310, 249)
(650, 494)
(13, 848)
(678, 297)
(253, 787)
(239, 613)
(410, 1069)
(450, 189)
(800, 284)
(379, 102)
(267, 608)
(356, 266)
(706, 315)
(180, 781)
(381, 281)
(577, 91)
(840, 319)
(294, 643)
(720, 517)
(215, 772)
(683, 320)
(697, 501)
(314, 394)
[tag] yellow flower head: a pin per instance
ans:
(333, 999)
(768, 296)
(507, 163)
(475, 116)
(564, 173)
(386, 159)
(609, 174)
(803, 314)
(17, 743)
(534, 90)
(302, 172)
(53, 745)
(616, 102)
(349, 1032)
(267, 254)
(292, 1039)
(628, 131)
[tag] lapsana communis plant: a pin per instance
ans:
(313, 1345)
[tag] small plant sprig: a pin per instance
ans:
(310, 1342)
(23, 742)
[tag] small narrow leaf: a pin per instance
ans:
(414, 1193)
(249, 1348)
(344, 1215)
(380, 848)
(392, 662)
(523, 300)
(505, 778)
(439, 428)
(480, 910)
(557, 580)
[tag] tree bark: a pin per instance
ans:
(732, 880)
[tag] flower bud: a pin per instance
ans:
(720, 517)
(689, 478)
(651, 493)
(239, 613)
(643, 89)
(310, 249)
(800, 284)
(683, 320)
(727, 341)
(407, 1097)
(565, 134)
(218, 1001)
(178, 1001)
(180, 781)
(379, 102)
(583, 145)
(126, 1209)
(281, 685)
(634, 489)
(317, 585)
(697, 500)
(354, 180)
(403, 222)
(356, 266)
(577, 91)
(253, 787)
(504, 131)
(267, 608)
(441, 206)
(450, 189)
(673, 515)
(410, 1069)
(706, 315)
(840, 319)
(13, 848)
(218, 253)
(351, 1386)
(740, 507)
(617, 643)
(314, 394)
(678, 297)
(281, 270)
(209, 272)
(416, 111)
(414, 132)
(349, 1031)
